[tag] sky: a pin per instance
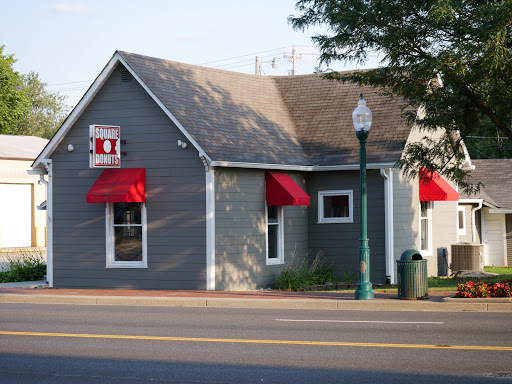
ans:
(68, 43)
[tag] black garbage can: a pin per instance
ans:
(412, 276)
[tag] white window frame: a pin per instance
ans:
(110, 234)
(428, 250)
(280, 237)
(326, 220)
(461, 231)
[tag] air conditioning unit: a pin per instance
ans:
(467, 257)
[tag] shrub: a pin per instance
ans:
(300, 276)
(25, 267)
(482, 289)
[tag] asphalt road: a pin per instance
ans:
(114, 344)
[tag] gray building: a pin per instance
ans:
(209, 179)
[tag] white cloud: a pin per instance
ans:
(74, 9)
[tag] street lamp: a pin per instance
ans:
(362, 119)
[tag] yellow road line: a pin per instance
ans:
(256, 341)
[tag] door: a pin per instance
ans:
(495, 238)
(16, 215)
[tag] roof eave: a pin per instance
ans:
(87, 98)
(307, 168)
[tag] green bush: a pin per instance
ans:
(27, 267)
(299, 277)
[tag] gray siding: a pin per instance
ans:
(175, 182)
(340, 242)
(240, 231)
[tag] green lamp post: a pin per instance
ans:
(362, 119)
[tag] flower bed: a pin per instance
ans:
(482, 289)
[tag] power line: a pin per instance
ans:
(250, 54)
(72, 82)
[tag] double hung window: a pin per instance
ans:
(275, 243)
(461, 220)
(426, 227)
(126, 235)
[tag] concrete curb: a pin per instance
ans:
(257, 303)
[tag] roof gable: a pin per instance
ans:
(496, 175)
(238, 118)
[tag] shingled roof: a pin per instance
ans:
(495, 174)
(286, 120)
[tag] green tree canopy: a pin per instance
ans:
(47, 110)
(26, 108)
(451, 57)
(14, 103)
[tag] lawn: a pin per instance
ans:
(441, 284)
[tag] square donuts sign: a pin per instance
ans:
(106, 143)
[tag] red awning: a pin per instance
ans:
(282, 190)
(434, 188)
(126, 185)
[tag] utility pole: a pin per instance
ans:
(258, 66)
(293, 59)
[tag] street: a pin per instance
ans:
(118, 344)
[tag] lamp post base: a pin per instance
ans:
(364, 291)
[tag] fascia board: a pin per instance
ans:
(471, 201)
(500, 210)
(307, 168)
(164, 109)
(76, 112)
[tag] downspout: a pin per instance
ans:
(49, 220)
(387, 174)
(473, 223)
(210, 225)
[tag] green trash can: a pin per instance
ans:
(412, 276)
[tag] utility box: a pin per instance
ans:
(412, 276)
(467, 257)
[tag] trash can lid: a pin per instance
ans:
(411, 254)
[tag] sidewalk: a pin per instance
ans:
(33, 292)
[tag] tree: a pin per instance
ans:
(14, 103)
(47, 110)
(451, 57)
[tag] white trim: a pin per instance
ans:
(110, 243)
(483, 226)
(280, 237)
(504, 240)
(307, 168)
(337, 220)
(500, 210)
(388, 228)
(470, 201)
(461, 231)
(49, 219)
(428, 251)
(87, 98)
(210, 229)
(163, 107)
(473, 221)
(77, 111)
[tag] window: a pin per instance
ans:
(426, 227)
(275, 241)
(335, 207)
(126, 235)
(461, 220)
